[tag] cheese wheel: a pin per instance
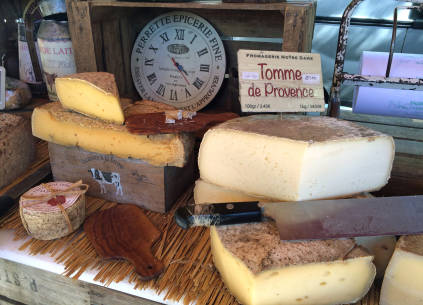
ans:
(295, 157)
(16, 147)
(45, 221)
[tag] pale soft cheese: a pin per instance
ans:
(94, 94)
(205, 192)
(295, 157)
(53, 123)
(259, 269)
(403, 281)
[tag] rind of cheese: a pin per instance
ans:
(94, 94)
(205, 192)
(295, 157)
(53, 123)
(260, 269)
(16, 147)
(403, 281)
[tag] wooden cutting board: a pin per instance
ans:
(124, 231)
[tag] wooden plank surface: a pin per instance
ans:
(28, 285)
(298, 28)
(81, 32)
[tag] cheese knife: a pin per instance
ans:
(317, 219)
(8, 198)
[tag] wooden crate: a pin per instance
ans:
(103, 33)
(407, 171)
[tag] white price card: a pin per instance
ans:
(2, 88)
(273, 81)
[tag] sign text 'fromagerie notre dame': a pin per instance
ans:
(272, 81)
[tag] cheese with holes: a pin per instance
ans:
(53, 123)
(94, 94)
(205, 192)
(403, 281)
(16, 147)
(260, 269)
(295, 157)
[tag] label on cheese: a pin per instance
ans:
(280, 81)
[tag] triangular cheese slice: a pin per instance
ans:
(94, 94)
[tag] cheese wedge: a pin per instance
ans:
(205, 192)
(381, 247)
(94, 94)
(259, 269)
(53, 123)
(403, 281)
(296, 157)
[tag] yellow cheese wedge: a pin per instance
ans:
(205, 192)
(295, 157)
(259, 269)
(91, 93)
(403, 281)
(53, 123)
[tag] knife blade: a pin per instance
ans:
(8, 198)
(317, 219)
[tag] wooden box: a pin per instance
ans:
(134, 181)
(103, 34)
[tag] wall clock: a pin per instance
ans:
(178, 58)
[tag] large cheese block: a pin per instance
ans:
(295, 157)
(205, 192)
(16, 147)
(259, 269)
(91, 93)
(403, 281)
(53, 123)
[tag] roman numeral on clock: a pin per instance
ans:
(202, 52)
(153, 49)
(164, 37)
(149, 62)
(173, 96)
(204, 68)
(198, 83)
(179, 34)
(161, 90)
(152, 78)
(187, 94)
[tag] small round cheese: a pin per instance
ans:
(46, 220)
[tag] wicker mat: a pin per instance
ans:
(189, 275)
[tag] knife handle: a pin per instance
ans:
(218, 214)
(6, 203)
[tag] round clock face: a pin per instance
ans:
(179, 59)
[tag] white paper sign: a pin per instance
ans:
(2, 88)
(273, 81)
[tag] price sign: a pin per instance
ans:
(280, 81)
(2, 88)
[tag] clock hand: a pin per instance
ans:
(180, 69)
